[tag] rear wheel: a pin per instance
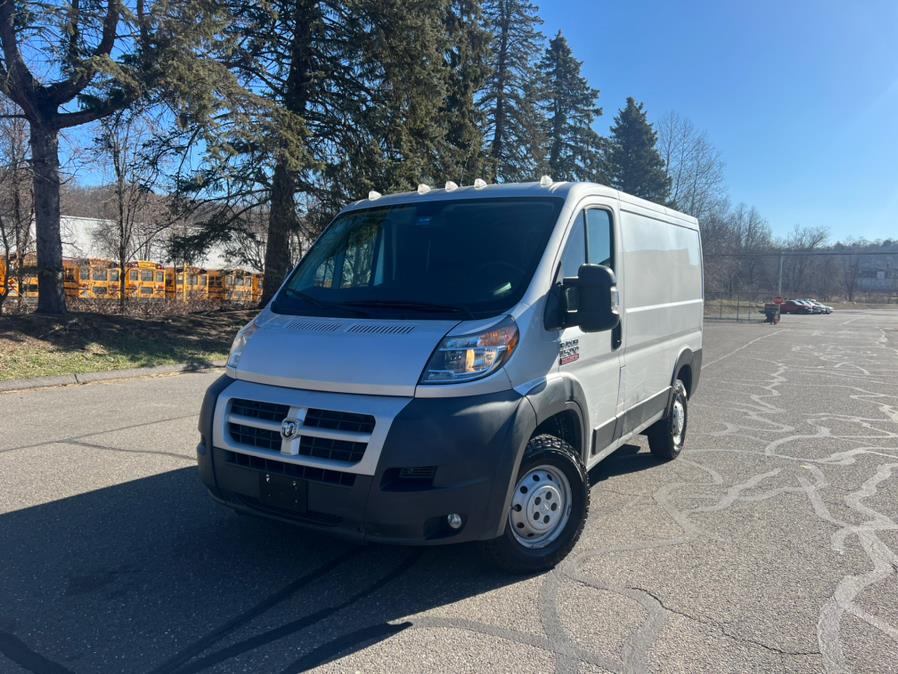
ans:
(548, 508)
(666, 437)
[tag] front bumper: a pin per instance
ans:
(441, 456)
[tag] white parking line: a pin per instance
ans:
(744, 346)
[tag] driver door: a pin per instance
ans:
(594, 359)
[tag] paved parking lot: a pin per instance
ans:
(770, 545)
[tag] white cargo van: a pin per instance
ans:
(447, 365)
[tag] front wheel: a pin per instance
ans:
(548, 508)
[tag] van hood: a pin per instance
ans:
(342, 355)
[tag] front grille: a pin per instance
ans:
(339, 421)
(259, 410)
(302, 472)
(256, 424)
(336, 450)
(255, 437)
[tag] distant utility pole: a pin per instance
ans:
(779, 283)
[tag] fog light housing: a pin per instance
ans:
(454, 520)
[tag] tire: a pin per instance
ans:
(552, 474)
(667, 437)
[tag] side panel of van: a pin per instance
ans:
(662, 296)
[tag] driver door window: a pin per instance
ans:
(574, 251)
(599, 238)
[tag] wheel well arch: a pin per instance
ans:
(685, 375)
(566, 425)
(688, 368)
(561, 410)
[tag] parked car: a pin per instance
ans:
(795, 307)
(445, 366)
(820, 307)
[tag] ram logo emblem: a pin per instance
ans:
(288, 428)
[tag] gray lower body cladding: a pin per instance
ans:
(441, 456)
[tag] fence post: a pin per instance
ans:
(737, 308)
(720, 304)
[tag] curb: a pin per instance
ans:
(90, 377)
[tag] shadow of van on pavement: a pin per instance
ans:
(152, 576)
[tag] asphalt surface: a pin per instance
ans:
(771, 544)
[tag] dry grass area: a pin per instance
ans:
(36, 346)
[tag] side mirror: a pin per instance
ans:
(590, 299)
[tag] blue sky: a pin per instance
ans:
(801, 98)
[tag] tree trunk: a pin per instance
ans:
(282, 215)
(45, 160)
(281, 220)
(501, 83)
(121, 285)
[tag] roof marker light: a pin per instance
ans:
(479, 184)
(451, 186)
(545, 181)
(423, 189)
(374, 195)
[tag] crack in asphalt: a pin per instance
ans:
(103, 432)
(720, 626)
(92, 445)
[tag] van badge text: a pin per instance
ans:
(569, 351)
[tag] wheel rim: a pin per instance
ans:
(679, 421)
(541, 506)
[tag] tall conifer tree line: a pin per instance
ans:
(280, 111)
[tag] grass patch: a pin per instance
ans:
(37, 346)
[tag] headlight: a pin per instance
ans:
(240, 342)
(468, 357)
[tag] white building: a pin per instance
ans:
(80, 239)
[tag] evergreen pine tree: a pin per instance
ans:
(635, 166)
(346, 96)
(508, 102)
(466, 72)
(570, 107)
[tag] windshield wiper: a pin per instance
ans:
(314, 301)
(411, 306)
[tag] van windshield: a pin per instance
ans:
(438, 259)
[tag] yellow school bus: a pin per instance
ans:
(97, 279)
(215, 289)
(145, 280)
(238, 286)
(184, 283)
(71, 277)
(29, 278)
(257, 288)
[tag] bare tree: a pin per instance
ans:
(805, 239)
(16, 203)
(71, 63)
(694, 165)
(133, 226)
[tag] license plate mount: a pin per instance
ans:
(283, 492)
